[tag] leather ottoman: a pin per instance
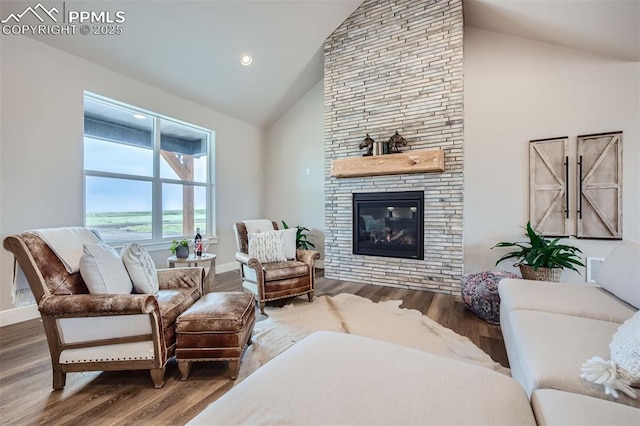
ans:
(217, 327)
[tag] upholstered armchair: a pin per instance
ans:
(100, 332)
(273, 280)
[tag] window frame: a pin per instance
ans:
(157, 240)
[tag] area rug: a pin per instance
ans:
(348, 313)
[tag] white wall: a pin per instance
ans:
(518, 90)
(294, 175)
(41, 149)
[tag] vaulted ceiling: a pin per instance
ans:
(193, 48)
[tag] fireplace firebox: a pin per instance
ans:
(389, 224)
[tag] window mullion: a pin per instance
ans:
(156, 214)
(211, 208)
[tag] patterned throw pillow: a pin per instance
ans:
(103, 271)
(267, 246)
(141, 269)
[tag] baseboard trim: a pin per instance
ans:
(234, 266)
(16, 315)
(227, 267)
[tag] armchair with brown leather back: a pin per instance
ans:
(274, 280)
(89, 332)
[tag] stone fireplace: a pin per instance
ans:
(388, 224)
(396, 65)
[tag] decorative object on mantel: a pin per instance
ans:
(541, 259)
(367, 143)
(414, 161)
(396, 140)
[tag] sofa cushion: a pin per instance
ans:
(620, 272)
(174, 302)
(580, 300)
(141, 268)
(281, 270)
(548, 350)
(217, 312)
(335, 378)
(554, 407)
(103, 271)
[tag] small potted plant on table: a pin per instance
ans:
(542, 259)
(180, 248)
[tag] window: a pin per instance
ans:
(147, 177)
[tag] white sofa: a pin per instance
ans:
(333, 378)
(551, 329)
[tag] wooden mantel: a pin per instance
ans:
(413, 161)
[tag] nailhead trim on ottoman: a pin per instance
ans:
(480, 293)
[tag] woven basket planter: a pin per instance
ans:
(540, 274)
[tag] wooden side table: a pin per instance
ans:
(209, 279)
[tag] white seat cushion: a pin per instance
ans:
(335, 378)
(547, 350)
(554, 407)
(571, 299)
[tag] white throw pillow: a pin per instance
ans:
(620, 272)
(267, 246)
(622, 371)
(103, 271)
(290, 242)
(625, 349)
(141, 269)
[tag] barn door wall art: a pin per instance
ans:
(600, 186)
(597, 212)
(548, 186)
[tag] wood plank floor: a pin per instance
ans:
(129, 398)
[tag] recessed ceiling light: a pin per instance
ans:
(139, 116)
(246, 60)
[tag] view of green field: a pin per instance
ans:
(133, 226)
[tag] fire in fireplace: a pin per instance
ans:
(389, 224)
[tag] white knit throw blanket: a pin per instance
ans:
(68, 243)
(258, 225)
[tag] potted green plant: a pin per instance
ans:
(302, 235)
(541, 259)
(180, 248)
